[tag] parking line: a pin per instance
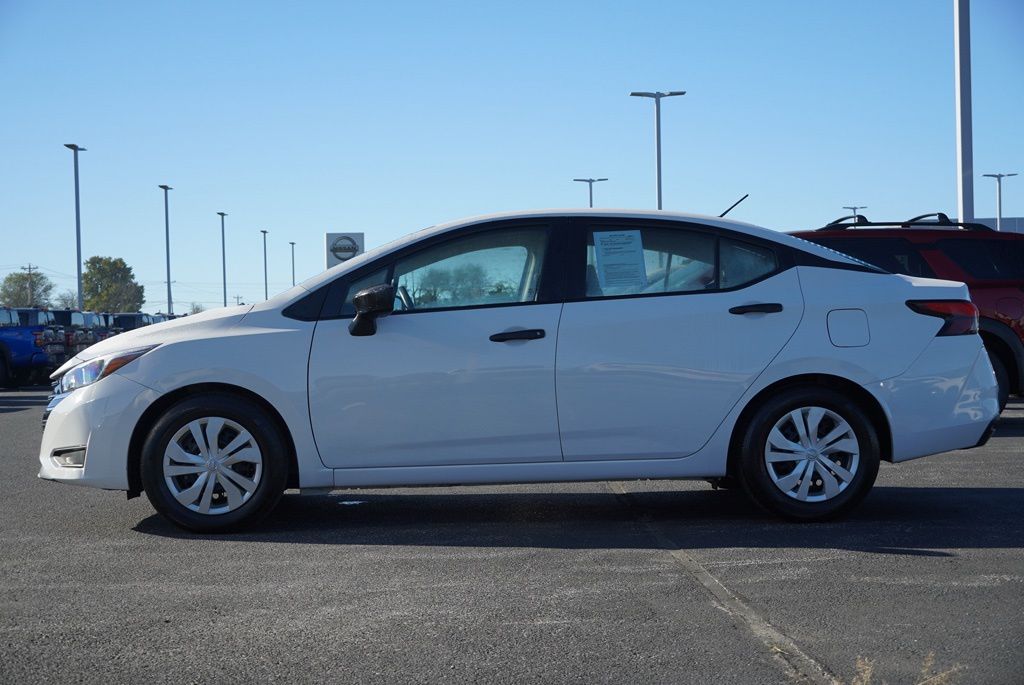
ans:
(801, 667)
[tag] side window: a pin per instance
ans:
(743, 262)
(989, 260)
(375, 278)
(628, 261)
(497, 267)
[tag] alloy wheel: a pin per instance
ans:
(812, 454)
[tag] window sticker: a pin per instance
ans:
(619, 257)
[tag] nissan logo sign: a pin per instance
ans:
(344, 248)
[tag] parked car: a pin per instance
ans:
(129, 321)
(30, 348)
(991, 263)
(537, 347)
(81, 329)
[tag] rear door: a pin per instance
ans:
(668, 325)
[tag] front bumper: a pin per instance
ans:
(100, 418)
(947, 400)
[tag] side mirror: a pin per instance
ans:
(370, 303)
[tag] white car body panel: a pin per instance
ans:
(429, 400)
(450, 395)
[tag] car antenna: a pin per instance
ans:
(733, 205)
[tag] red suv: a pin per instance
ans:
(990, 263)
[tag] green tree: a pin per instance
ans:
(108, 285)
(66, 299)
(22, 289)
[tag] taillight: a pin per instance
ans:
(960, 316)
(40, 338)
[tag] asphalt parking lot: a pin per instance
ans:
(599, 582)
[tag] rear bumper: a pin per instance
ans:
(947, 400)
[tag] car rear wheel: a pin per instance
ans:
(214, 463)
(808, 454)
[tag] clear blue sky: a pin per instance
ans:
(386, 117)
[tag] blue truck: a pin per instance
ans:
(31, 346)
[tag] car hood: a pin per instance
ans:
(176, 329)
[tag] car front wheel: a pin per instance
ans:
(808, 454)
(214, 462)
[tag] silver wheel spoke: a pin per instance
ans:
(778, 440)
(797, 417)
(248, 454)
(196, 429)
(805, 482)
(834, 434)
(848, 445)
(189, 495)
(828, 481)
(174, 452)
(234, 494)
(786, 483)
(839, 471)
(204, 501)
(246, 484)
(213, 427)
(814, 417)
(774, 457)
(239, 440)
(184, 469)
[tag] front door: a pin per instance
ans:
(461, 373)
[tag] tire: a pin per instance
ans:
(843, 468)
(1002, 379)
(6, 380)
(242, 480)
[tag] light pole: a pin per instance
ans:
(265, 295)
(78, 222)
(853, 210)
(657, 96)
(999, 197)
(292, 243)
(964, 128)
(223, 257)
(590, 185)
(167, 238)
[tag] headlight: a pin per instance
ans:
(97, 369)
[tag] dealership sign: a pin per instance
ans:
(341, 247)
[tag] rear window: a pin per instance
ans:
(895, 255)
(987, 260)
(8, 318)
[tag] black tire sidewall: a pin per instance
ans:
(753, 472)
(250, 416)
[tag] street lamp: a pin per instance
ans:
(590, 185)
(223, 257)
(78, 222)
(265, 295)
(999, 197)
(657, 96)
(853, 210)
(292, 243)
(167, 238)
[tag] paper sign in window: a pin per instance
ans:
(619, 257)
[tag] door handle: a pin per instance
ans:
(528, 334)
(760, 308)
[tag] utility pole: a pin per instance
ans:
(78, 223)
(167, 238)
(657, 96)
(238, 299)
(223, 257)
(265, 295)
(853, 210)
(590, 185)
(999, 197)
(292, 243)
(31, 290)
(964, 130)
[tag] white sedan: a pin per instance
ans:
(536, 347)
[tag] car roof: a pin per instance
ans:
(713, 221)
